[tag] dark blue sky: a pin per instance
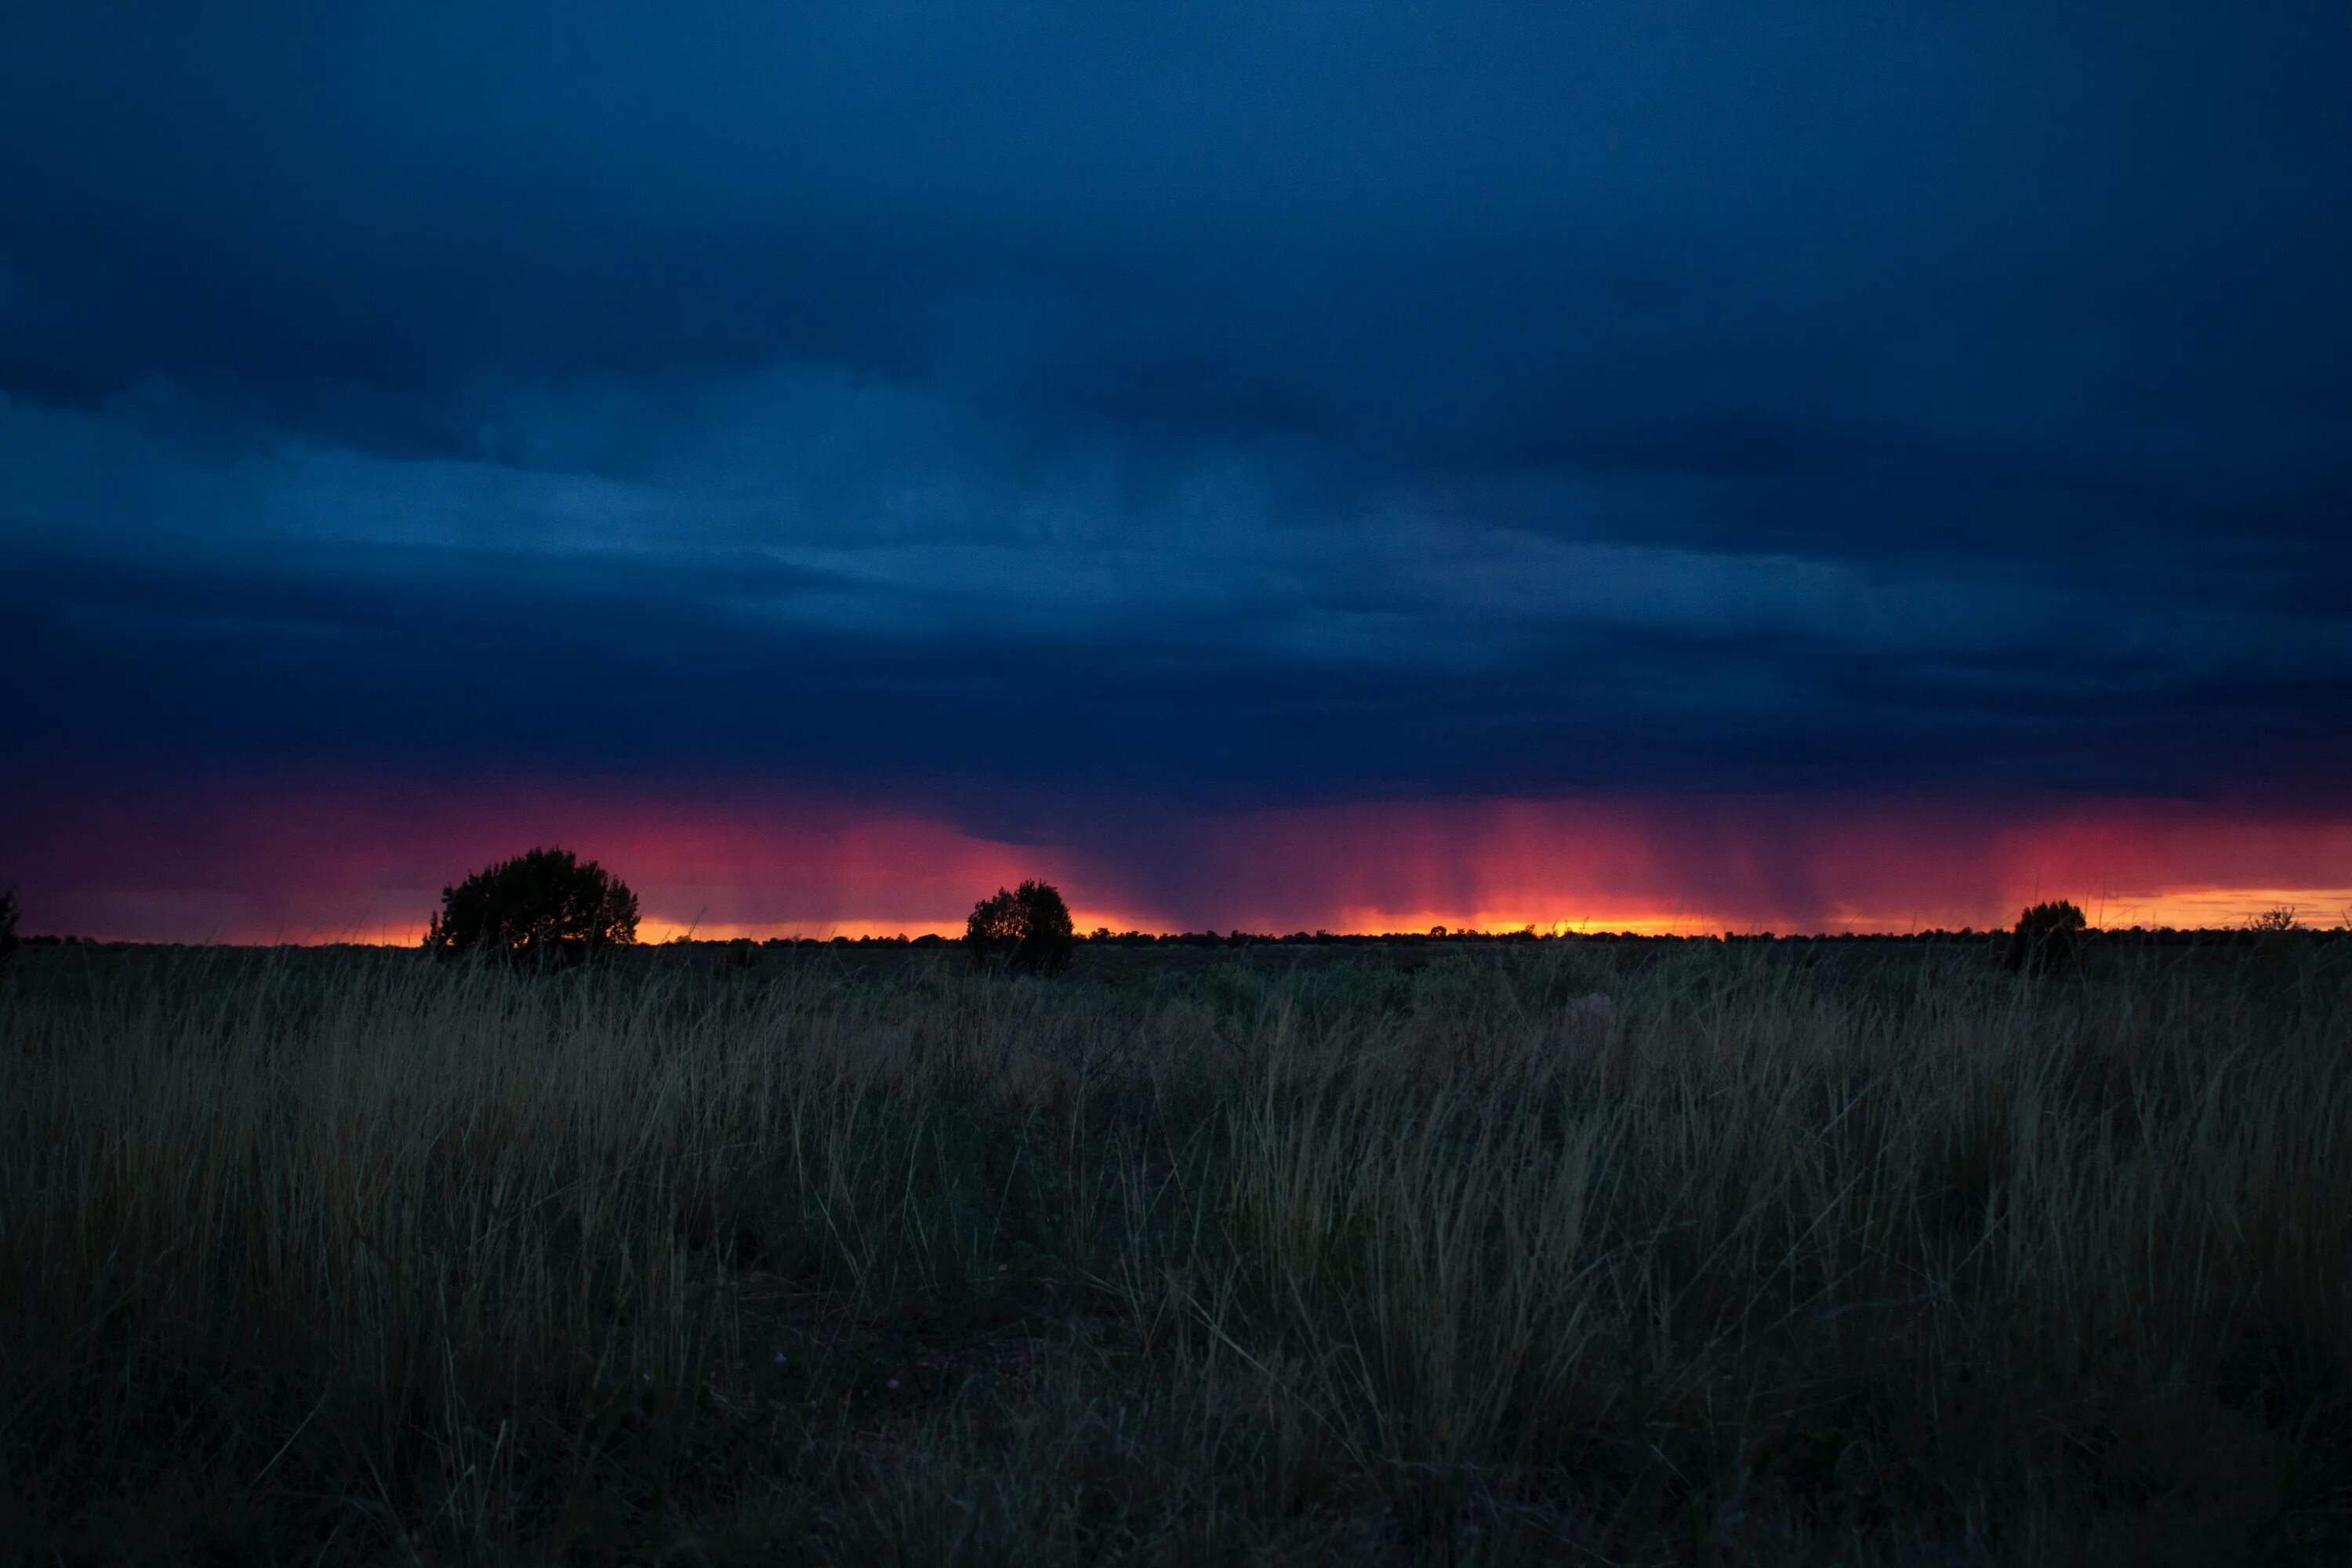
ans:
(1194, 409)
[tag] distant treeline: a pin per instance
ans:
(2153, 936)
(2157, 936)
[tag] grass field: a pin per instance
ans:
(1814, 1255)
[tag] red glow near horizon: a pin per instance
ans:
(1697, 865)
(342, 862)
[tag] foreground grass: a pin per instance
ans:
(1872, 1259)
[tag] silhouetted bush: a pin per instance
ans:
(7, 925)
(543, 907)
(2049, 937)
(1030, 926)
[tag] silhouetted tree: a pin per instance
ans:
(544, 907)
(1030, 925)
(2048, 937)
(7, 924)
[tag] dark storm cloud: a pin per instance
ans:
(1231, 406)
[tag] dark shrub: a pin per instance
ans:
(2048, 938)
(543, 908)
(1030, 926)
(7, 924)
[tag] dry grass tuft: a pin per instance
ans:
(1791, 1256)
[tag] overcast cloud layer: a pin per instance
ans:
(1198, 409)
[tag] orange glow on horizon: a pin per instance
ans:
(2185, 909)
(659, 930)
(345, 860)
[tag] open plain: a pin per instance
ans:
(1796, 1253)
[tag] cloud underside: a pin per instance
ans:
(1029, 424)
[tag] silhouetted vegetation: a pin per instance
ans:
(544, 907)
(2112, 950)
(2048, 938)
(1030, 927)
(7, 924)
